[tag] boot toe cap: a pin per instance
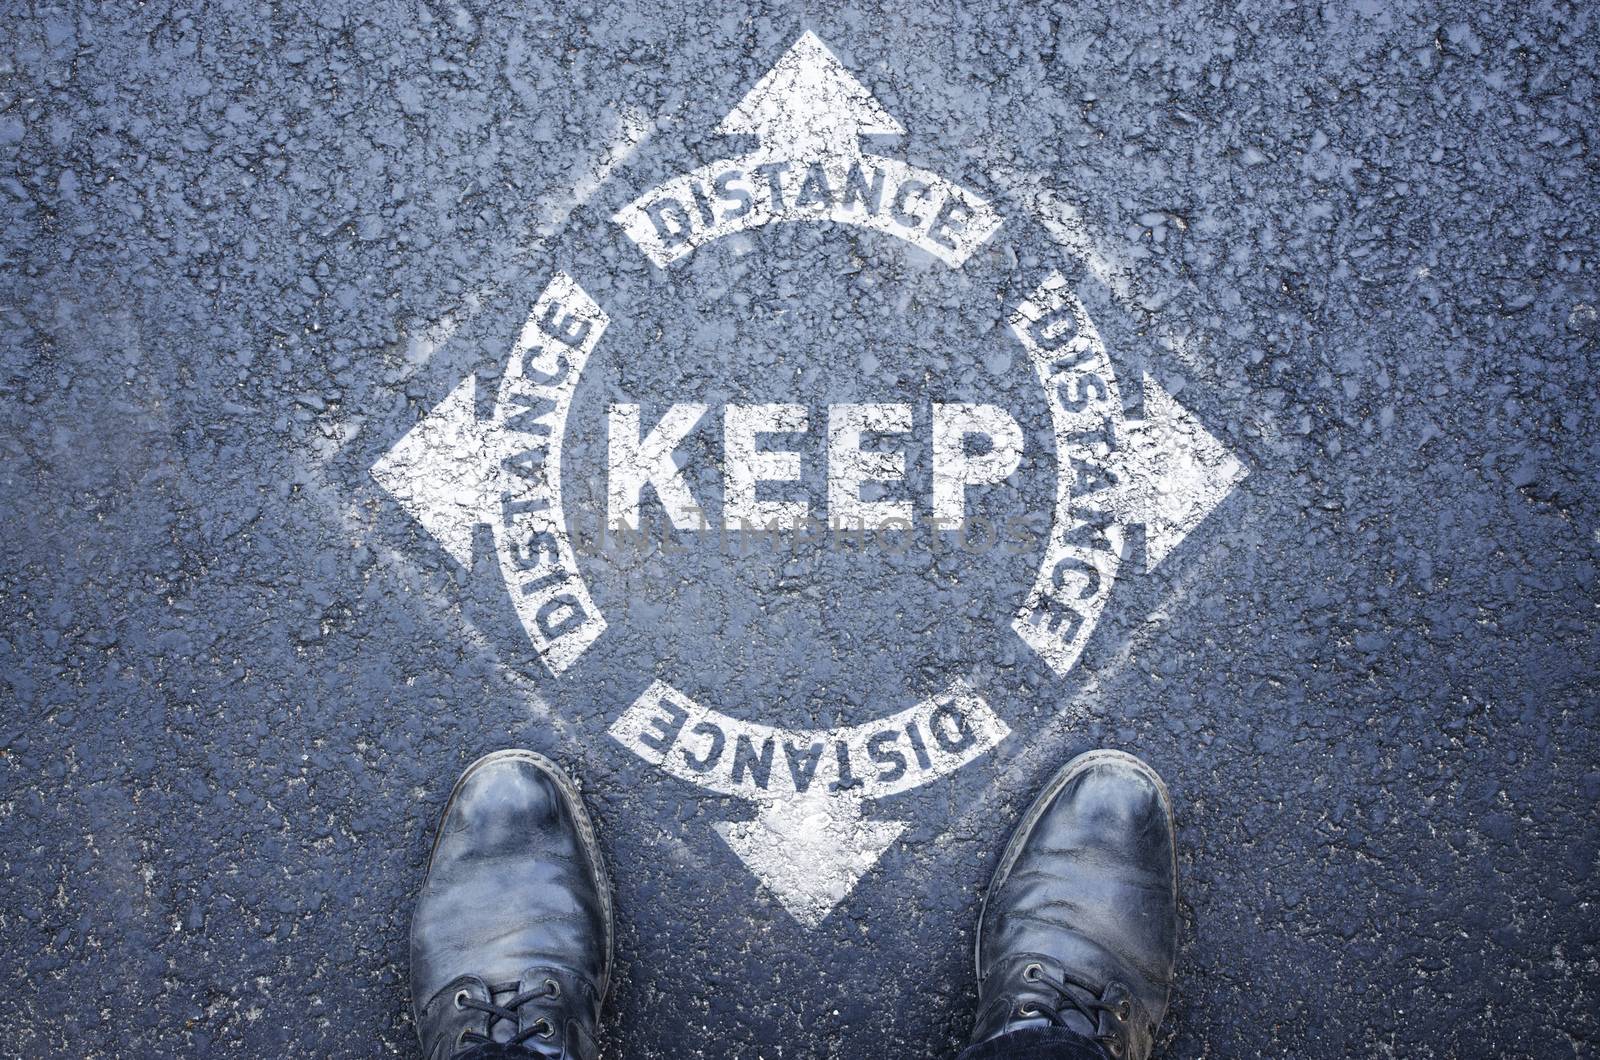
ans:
(504, 805)
(1090, 879)
(515, 881)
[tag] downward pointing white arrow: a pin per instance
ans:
(1174, 473)
(809, 852)
(809, 842)
(442, 472)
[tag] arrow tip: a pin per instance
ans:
(441, 471)
(1189, 472)
(808, 84)
(810, 854)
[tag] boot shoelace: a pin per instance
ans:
(540, 1028)
(1079, 995)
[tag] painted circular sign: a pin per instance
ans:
(836, 466)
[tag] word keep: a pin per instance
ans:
(638, 458)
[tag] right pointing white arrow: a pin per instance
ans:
(1174, 473)
(809, 852)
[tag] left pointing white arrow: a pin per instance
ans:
(452, 471)
(444, 472)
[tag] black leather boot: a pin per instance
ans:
(1080, 927)
(511, 938)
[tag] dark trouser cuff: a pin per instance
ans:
(497, 1051)
(1037, 1043)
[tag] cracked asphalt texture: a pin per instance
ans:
(237, 681)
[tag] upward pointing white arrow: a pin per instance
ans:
(442, 471)
(808, 106)
(809, 115)
(1174, 473)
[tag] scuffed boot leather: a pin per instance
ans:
(511, 938)
(1080, 927)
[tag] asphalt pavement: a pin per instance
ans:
(1254, 348)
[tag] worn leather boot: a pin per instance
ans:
(511, 938)
(1080, 927)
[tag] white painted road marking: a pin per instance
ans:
(637, 462)
(652, 460)
(810, 853)
(809, 114)
(442, 471)
(1085, 549)
(1174, 473)
(753, 761)
(955, 467)
(809, 842)
(746, 465)
(1166, 472)
(452, 473)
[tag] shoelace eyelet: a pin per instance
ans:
(461, 998)
(1027, 1011)
(543, 1028)
(1124, 1010)
(1032, 973)
(553, 988)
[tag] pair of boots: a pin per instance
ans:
(512, 936)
